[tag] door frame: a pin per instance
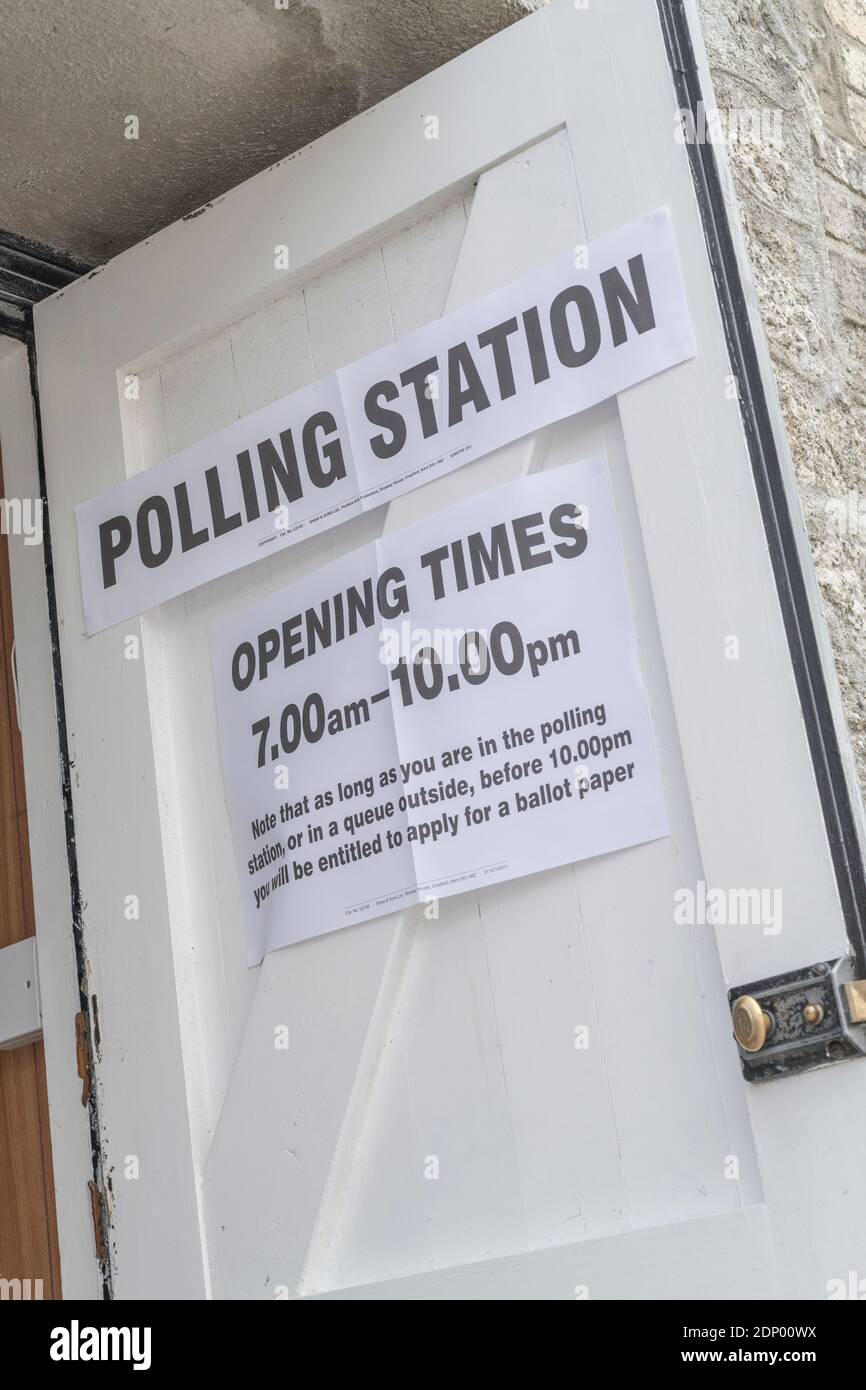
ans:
(812, 656)
(77, 1160)
(74, 1125)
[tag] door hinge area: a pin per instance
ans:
(82, 1055)
(100, 1221)
(799, 1021)
(99, 1208)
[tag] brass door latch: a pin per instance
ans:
(798, 1021)
(752, 1024)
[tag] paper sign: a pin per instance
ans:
(456, 704)
(567, 335)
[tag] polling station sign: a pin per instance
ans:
(456, 704)
(565, 336)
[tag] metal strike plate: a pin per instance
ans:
(796, 1022)
(855, 998)
(20, 1014)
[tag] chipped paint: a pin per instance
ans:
(98, 1212)
(82, 1056)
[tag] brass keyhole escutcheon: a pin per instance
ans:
(752, 1024)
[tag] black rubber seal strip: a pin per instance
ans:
(833, 788)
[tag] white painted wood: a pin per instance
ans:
(728, 721)
(20, 1015)
(249, 1233)
(671, 1154)
(834, 1244)
(670, 1262)
(311, 1170)
(740, 725)
(58, 982)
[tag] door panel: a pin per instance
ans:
(670, 1262)
(306, 1172)
(502, 1107)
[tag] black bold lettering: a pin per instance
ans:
(497, 339)
(433, 562)
(461, 368)
(636, 301)
(332, 450)
(157, 507)
(293, 641)
(564, 522)
(490, 564)
(189, 538)
(221, 522)
(389, 419)
(269, 645)
(396, 603)
(114, 540)
(535, 343)
(417, 377)
(248, 486)
(283, 470)
(529, 540)
(568, 354)
(244, 654)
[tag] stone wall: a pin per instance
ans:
(800, 173)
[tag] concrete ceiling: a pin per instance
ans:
(221, 89)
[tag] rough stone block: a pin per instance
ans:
(791, 274)
(854, 65)
(844, 213)
(770, 152)
(849, 278)
(844, 160)
(849, 15)
(857, 112)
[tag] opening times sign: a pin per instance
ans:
(456, 704)
(565, 336)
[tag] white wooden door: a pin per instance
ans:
(641, 1165)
